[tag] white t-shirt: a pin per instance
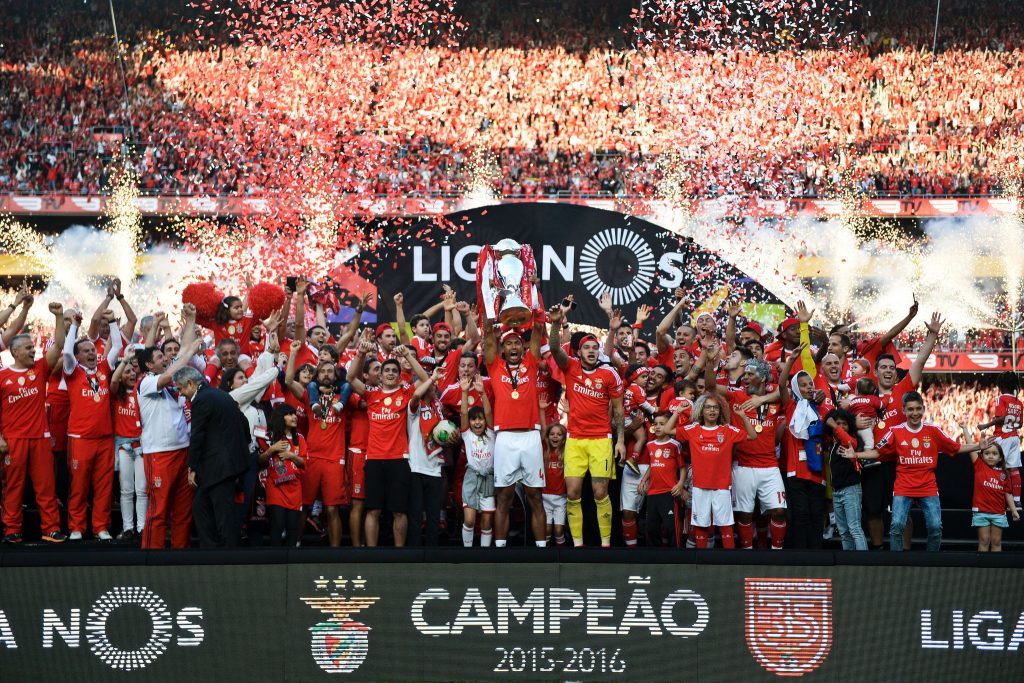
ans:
(164, 427)
(479, 451)
(420, 461)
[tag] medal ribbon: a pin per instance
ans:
(512, 376)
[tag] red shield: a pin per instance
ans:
(788, 623)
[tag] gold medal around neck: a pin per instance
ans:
(758, 428)
(515, 394)
(323, 425)
(96, 397)
(881, 424)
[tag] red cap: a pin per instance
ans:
(441, 326)
(788, 323)
(755, 328)
(382, 328)
(509, 334)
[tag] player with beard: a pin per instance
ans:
(24, 440)
(311, 342)
(756, 478)
(685, 335)
(518, 453)
(591, 390)
(659, 387)
(90, 430)
(877, 480)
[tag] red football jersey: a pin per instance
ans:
(1011, 410)
(761, 451)
(359, 423)
(450, 362)
(590, 392)
(126, 416)
(554, 474)
(284, 478)
(990, 488)
(387, 410)
(423, 346)
(239, 330)
(515, 402)
(865, 405)
(711, 453)
(917, 455)
(666, 459)
(22, 402)
(89, 393)
(326, 437)
(635, 403)
(451, 398)
(892, 408)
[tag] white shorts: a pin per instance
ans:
(751, 484)
(711, 507)
(630, 496)
(518, 456)
(554, 509)
(1011, 450)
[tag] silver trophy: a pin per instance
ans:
(514, 312)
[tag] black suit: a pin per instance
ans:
(218, 453)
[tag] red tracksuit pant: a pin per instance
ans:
(170, 499)
(91, 464)
(32, 457)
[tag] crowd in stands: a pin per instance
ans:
(559, 102)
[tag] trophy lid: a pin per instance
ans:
(507, 244)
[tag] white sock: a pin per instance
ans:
(578, 542)
(467, 536)
(541, 544)
(485, 537)
(499, 543)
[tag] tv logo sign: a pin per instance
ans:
(788, 623)
(55, 628)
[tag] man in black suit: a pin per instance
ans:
(218, 453)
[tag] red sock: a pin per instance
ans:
(746, 534)
(700, 536)
(1015, 482)
(629, 532)
(728, 541)
(761, 524)
(778, 534)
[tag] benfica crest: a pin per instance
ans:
(788, 623)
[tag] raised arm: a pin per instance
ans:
(917, 368)
(262, 377)
(355, 373)
(784, 374)
(149, 340)
(403, 335)
(116, 344)
(730, 326)
(417, 369)
(353, 325)
(806, 357)
(887, 338)
(68, 354)
(464, 406)
(97, 316)
(300, 311)
(423, 387)
(478, 384)
(118, 374)
(298, 391)
(24, 299)
(663, 335)
(130, 319)
(558, 354)
(181, 361)
(472, 327)
(53, 353)
(490, 344)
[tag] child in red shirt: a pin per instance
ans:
(284, 455)
(992, 495)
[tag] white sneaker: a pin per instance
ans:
(75, 536)
(104, 536)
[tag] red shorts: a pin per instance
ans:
(357, 472)
(324, 477)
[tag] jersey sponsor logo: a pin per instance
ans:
(340, 644)
(788, 623)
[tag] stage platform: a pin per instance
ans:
(89, 613)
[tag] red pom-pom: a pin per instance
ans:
(205, 297)
(264, 299)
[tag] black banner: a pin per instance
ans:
(578, 250)
(434, 621)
